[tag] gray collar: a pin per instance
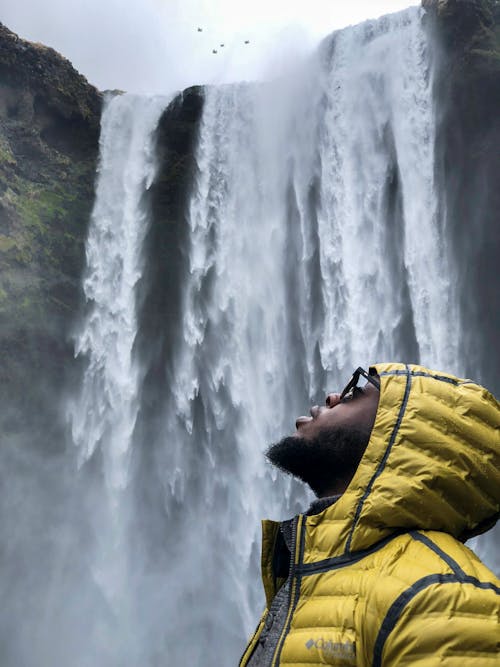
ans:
(321, 504)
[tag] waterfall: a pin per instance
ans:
(107, 408)
(381, 239)
(103, 416)
(317, 243)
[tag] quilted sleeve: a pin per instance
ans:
(441, 621)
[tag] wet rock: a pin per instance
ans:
(466, 43)
(49, 133)
(166, 250)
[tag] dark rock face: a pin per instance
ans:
(49, 130)
(166, 243)
(467, 38)
(165, 271)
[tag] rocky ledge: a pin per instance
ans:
(467, 37)
(49, 134)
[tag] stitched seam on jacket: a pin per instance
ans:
(441, 378)
(452, 564)
(397, 607)
(382, 463)
(345, 560)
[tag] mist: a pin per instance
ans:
(154, 46)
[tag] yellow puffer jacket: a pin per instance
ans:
(381, 577)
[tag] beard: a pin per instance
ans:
(322, 462)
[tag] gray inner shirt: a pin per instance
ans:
(276, 618)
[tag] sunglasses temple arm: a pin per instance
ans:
(368, 377)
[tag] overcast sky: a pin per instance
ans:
(155, 46)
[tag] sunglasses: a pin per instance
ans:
(353, 382)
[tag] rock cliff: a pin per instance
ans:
(166, 247)
(467, 49)
(49, 131)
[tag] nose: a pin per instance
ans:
(315, 410)
(332, 400)
(301, 421)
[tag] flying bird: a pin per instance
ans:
(200, 29)
(247, 41)
(222, 45)
(214, 51)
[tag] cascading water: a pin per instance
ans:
(379, 232)
(104, 414)
(107, 409)
(316, 243)
(315, 246)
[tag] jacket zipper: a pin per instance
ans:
(292, 591)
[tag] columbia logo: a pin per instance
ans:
(332, 649)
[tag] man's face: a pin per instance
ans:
(357, 411)
(326, 448)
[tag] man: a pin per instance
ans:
(375, 574)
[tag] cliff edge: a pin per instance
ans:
(49, 134)
(466, 38)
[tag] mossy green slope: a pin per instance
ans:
(49, 132)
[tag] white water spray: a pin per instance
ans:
(105, 413)
(103, 416)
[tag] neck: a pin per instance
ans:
(337, 489)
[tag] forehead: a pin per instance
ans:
(363, 399)
(368, 387)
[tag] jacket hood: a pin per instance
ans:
(432, 463)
